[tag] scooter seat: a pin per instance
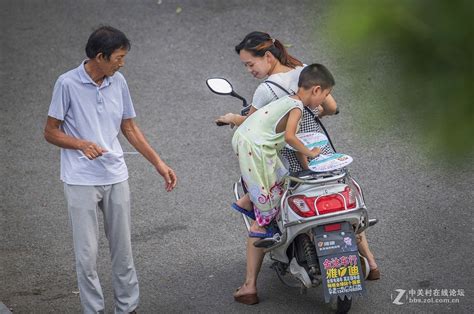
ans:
(300, 174)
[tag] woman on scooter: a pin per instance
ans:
(266, 57)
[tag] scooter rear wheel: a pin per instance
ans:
(343, 305)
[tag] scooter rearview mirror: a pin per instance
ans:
(222, 86)
(219, 86)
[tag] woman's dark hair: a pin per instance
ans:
(106, 39)
(314, 75)
(257, 43)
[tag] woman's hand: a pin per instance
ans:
(228, 118)
(328, 107)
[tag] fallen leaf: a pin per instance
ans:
(288, 45)
(178, 10)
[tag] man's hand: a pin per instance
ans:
(132, 133)
(92, 150)
(55, 135)
(168, 175)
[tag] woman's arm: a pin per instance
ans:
(235, 119)
(294, 117)
(328, 107)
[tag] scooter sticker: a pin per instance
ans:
(339, 261)
(324, 163)
(311, 140)
(342, 275)
(336, 244)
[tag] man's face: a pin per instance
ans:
(116, 61)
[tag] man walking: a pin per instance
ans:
(90, 105)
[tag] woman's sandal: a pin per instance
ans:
(374, 274)
(249, 299)
(248, 213)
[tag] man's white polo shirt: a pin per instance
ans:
(93, 113)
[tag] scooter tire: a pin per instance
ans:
(343, 305)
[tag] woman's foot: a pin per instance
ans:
(246, 295)
(374, 273)
(364, 250)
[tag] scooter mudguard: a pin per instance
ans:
(339, 261)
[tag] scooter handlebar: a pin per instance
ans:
(221, 123)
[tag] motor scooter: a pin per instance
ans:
(321, 215)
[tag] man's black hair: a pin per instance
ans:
(106, 40)
(316, 74)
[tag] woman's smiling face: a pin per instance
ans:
(259, 67)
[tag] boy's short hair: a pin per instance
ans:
(316, 74)
(106, 40)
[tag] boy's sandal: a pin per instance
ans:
(270, 233)
(248, 213)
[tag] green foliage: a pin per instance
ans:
(428, 76)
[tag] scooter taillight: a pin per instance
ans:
(300, 206)
(335, 202)
(305, 206)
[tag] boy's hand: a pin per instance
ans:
(315, 152)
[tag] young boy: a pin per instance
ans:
(263, 134)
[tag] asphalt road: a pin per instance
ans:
(189, 247)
